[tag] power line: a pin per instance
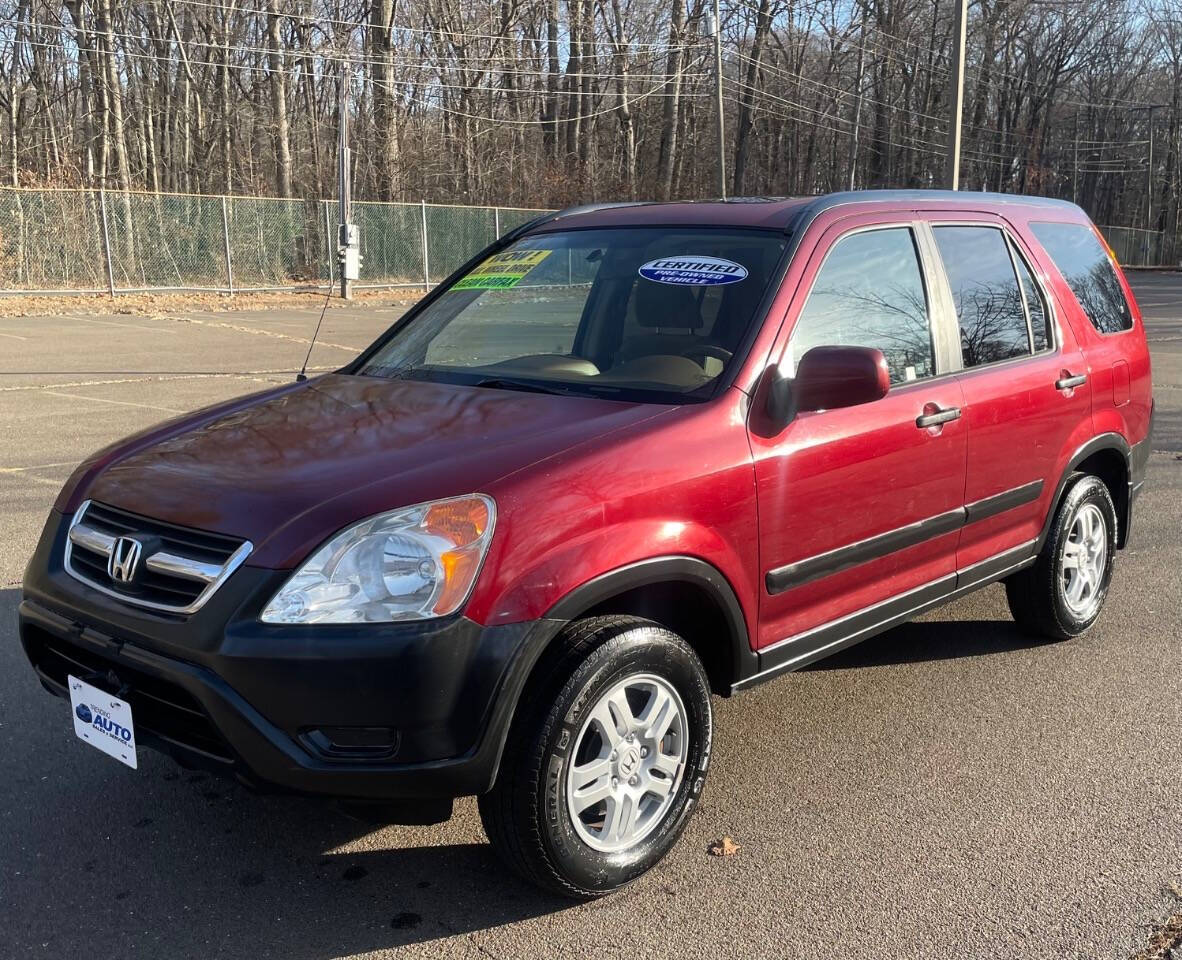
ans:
(364, 25)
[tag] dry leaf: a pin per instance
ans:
(726, 847)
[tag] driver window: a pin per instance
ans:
(870, 293)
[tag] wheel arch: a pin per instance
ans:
(684, 594)
(1109, 457)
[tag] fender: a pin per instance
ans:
(744, 661)
(1105, 441)
(668, 569)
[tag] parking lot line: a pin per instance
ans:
(130, 326)
(39, 466)
(121, 403)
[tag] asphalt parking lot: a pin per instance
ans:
(946, 789)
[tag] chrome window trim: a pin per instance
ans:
(211, 575)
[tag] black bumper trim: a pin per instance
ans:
(445, 689)
(259, 753)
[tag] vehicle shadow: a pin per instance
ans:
(922, 641)
(161, 861)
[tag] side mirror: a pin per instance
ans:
(828, 378)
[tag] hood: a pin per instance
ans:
(291, 468)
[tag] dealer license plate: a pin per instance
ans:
(103, 721)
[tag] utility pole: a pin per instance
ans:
(348, 238)
(1149, 108)
(715, 27)
(858, 101)
(956, 95)
(1075, 163)
(1149, 172)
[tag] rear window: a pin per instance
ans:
(1089, 272)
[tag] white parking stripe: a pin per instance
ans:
(154, 378)
(130, 326)
(46, 480)
(120, 403)
(40, 466)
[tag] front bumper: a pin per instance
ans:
(371, 712)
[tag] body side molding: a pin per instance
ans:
(880, 545)
(801, 649)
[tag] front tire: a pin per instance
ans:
(606, 760)
(1061, 596)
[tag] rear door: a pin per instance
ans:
(1107, 323)
(860, 505)
(1026, 393)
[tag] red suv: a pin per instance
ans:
(627, 457)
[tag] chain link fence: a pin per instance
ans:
(1137, 247)
(94, 241)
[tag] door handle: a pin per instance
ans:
(937, 418)
(1066, 383)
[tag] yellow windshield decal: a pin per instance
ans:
(503, 270)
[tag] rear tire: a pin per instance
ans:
(578, 809)
(1061, 596)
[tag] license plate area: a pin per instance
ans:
(103, 720)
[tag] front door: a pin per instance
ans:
(860, 508)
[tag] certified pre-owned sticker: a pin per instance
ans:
(693, 271)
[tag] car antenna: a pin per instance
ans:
(303, 374)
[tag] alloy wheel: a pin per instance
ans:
(1085, 555)
(628, 763)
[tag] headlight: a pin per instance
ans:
(410, 564)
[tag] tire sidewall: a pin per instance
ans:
(1086, 490)
(639, 649)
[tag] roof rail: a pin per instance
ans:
(537, 221)
(592, 207)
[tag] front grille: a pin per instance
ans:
(158, 707)
(175, 569)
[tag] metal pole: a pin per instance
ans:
(343, 198)
(328, 237)
(1149, 178)
(107, 244)
(426, 264)
(497, 222)
(858, 107)
(1075, 163)
(717, 25)
(226, 241)
(956, 95)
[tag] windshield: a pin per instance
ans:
(647, 314)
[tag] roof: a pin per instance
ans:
(773, 213)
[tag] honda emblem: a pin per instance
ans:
(124, 559)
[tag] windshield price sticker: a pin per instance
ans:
(693, 271)
(502, 271)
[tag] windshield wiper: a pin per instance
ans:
(526, 386)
